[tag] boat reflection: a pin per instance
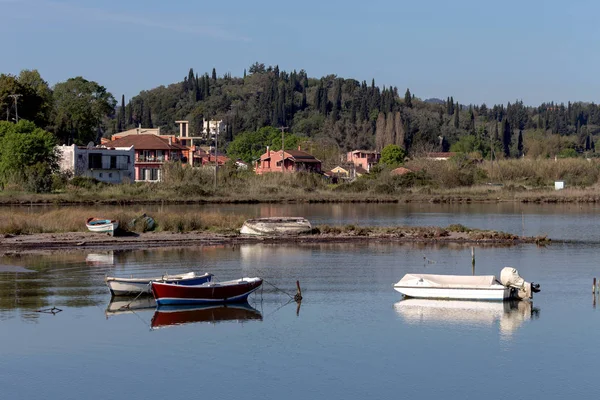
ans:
(125, 305)
(180, 315)
(104, 258)
(510, 315)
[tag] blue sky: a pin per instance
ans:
(475, 51)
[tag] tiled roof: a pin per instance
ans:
(401, 171)
(145, 142)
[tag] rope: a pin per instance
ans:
(126, 306)
(281, 290)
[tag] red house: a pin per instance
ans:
(293, 161)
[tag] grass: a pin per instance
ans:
(459, 180)
(69, 219)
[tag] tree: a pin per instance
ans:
(520, 143)
(27, 155)
(31, 105)
(214, 74)
(408, 99)
(392, 156)
(457, 116)
(506, 137)
(79, 108)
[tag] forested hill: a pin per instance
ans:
(354, 114)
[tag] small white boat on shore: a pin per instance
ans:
(467, 287)
(276, 226)
(101, 225)
(134, 286)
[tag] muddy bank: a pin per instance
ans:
(51, 242)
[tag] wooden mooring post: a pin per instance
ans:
(298, 296)
(473, 259)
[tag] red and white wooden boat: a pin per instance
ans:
(210, 292)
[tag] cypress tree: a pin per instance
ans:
(451, 105)
(457, 117)
(148, 121)
(337, 105)
(408, 99)
(122, 120)
(191, 81)
(324, 100)
(520, 143)
(471, 121)
(587, 143)
(129, 114)
(214, 74)
(206, 87)
(506, 137)
(244, 73)
(303, 104)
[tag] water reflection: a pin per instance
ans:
(180, 315)
(104, 258)
(509, 315)
(119, 305)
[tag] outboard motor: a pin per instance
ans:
(510, 277)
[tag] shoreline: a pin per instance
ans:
(55, 242)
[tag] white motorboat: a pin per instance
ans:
(133, 286)
(276, 226)
(467, 287)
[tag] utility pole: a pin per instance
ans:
(15, 97)
(216, 151)
(282, 146)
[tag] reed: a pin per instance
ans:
(19, 222)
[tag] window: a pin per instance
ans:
(110, 174)
(100, 175)
(154, 174)
(113, 162)
(80, 156)
(95, 161)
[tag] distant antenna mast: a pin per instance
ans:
(15, 97)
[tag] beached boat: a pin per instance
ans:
(180, 315)
(133, 286)
(102, 225)
(467, 287)
(234, 291)
(276, 226)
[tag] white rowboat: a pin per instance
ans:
(276, 226)
(134, 286)
(100, 225)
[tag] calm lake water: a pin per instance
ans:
(353, 337)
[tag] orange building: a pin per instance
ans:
(293, 161)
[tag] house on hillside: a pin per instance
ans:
(106, 164)
(287, 161)
(363, 158)
(151, 152)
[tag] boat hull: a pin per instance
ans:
(135, 286)
(498, 293)
(276, 226)
(224, 292)
(102, 226)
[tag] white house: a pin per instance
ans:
(112, 165)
